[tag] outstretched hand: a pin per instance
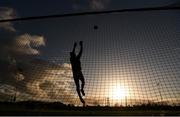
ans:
(75, 44)
(81, 43)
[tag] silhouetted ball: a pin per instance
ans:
(95, 27)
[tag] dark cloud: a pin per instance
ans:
(24, 44)
(49, 81)
(23, 75)
(98, 4)
(7, 13)
(35, 79)
(39, 80)
(90, 5)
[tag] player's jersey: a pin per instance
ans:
(76, 64)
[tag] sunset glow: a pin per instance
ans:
(118, 93)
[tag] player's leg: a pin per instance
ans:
(81, 77)
(78, 91)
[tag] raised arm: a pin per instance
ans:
(75, 44)
(81, 49)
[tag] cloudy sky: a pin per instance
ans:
(130, 57)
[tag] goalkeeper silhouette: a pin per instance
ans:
(76, 69)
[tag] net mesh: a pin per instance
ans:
(128, 59)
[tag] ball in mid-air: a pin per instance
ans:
(95, 27)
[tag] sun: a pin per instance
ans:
(118, 93)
